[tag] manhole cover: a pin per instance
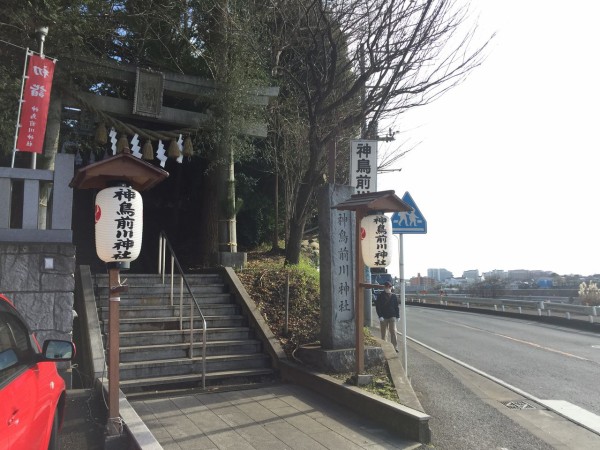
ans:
(518, 404)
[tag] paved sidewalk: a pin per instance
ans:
(281, 416)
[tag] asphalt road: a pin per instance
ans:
(468, 410)
(547, 361)
(460, 418)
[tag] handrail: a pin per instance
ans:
(548, 306)
(163, 246)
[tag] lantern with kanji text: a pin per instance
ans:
(119, 223)
(375, 240)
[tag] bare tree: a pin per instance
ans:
(357, 61)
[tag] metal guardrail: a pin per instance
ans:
(163, 246)
(540, 306)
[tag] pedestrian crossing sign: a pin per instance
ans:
(409, 222)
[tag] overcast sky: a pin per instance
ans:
(508, 171)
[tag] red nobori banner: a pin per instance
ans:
(34, 104)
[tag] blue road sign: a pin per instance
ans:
(409, 222)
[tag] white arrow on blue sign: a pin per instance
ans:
(409, 222)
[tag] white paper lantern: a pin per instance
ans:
(376, 240)
(119, 216)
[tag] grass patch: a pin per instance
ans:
(265, 278)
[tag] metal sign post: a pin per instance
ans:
(402, 300)
(411, 222)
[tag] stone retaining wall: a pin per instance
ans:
(40, 281)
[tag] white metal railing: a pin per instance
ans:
(540, 306)
(164, 246)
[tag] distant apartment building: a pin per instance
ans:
(496, 274)
(456, 282)
(535, 274)
(439, 274)
(519, 275)
(472, 276)
(421, 283)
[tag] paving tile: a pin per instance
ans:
(273, 446)
(258, 436)
(272, 418)
(235, 418)
(332, 440)
(353, 433)
(208, 422)
(307, 424)
(183, 429)
(197, 443)
(230, 439)
(285, 412)
(214, 399)
(376, 447)
(150, 420)
(225, 409)
(189, 404)
(260, 393)
(298, 404)
(293, 437)
(257, 412)
(236, 396)
(163, 409)
(273, 403)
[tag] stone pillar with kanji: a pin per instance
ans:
(336, 244)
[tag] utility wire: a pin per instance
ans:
(14, 45)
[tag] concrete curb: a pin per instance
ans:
(407, 420)
(399, 419)
(404, 389)
(135, 434)
(254, 316)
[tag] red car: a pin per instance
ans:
(32, 393)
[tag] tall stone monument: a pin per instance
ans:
(336, 243)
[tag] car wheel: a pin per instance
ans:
(53, 444)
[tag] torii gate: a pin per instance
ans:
(152, 88)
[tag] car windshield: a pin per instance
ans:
(15, 347)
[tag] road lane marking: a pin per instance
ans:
(582, 416)
(575, 414)
(521, 341)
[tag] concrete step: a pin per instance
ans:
(229, 377)
(131, 312)
(135, 279)
(172, 323)
(154, 351)
(150, 298)
(182, 350)
(155, 337)
(157, 290)
(187, 366)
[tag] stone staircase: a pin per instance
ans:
(154, 352)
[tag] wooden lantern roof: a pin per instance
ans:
(384, 201)
(122, 167)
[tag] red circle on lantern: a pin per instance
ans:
(97, 213)
(363, 233)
